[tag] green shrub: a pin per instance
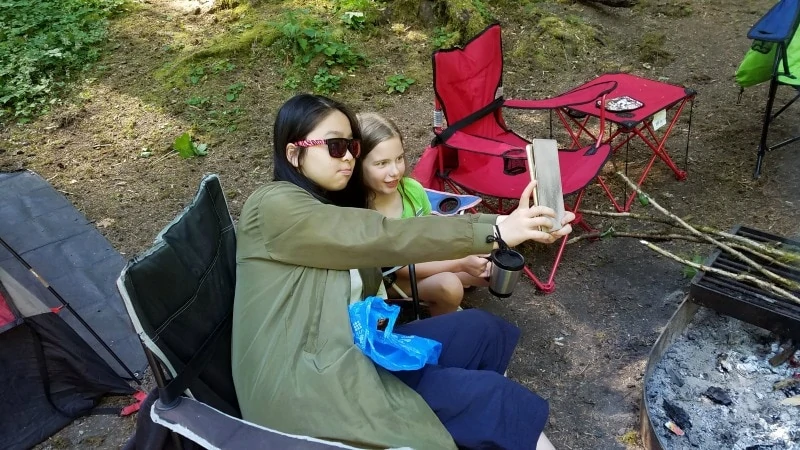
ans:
(314, 47)
(43, 43)
(398, 83)
(306, 40)
(442, 38)
(326, 82)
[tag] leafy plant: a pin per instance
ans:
(398, 83)
(482, 9)
(608, 232)
(325, 82)
(187, 148)
(197, 101)
(197, 74)
(443, 38)
(43, 44)
(305, 43)
(233, 92)
(309, 44)
(291, 82)
(222, 65)
(355, 20)
(689, 271)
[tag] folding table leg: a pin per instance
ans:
(659, 149)
(639, 182)
(657, 145)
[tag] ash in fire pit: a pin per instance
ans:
(716, 387)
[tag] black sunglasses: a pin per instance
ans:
(337, 147)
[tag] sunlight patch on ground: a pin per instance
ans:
(184, 6)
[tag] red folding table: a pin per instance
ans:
(649, 103)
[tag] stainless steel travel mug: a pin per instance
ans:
(507, 264)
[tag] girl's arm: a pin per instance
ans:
(427, 269)
(297, 229)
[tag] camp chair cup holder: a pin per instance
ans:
(514, 162)
(448, 205)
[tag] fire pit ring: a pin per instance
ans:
(675, 327)
(735, 300)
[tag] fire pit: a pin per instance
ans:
(713, 381)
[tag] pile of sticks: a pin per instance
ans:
(737, 246)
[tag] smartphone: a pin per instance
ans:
(544, 168)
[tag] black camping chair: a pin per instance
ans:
(179, 295)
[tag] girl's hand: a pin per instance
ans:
(523, 224)
(477, 266)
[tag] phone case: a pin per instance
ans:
(545, 169)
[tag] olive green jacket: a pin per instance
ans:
(295, 365)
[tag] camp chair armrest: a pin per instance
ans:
(214, 429)
(478, 144)
(581, 95)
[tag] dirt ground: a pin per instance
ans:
(584, 346)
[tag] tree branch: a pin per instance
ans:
(652, 236)
(739, 277)
(771, 275)
(784, 258)
(787, 256)
(628, 215)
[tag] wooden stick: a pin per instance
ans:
(755, 252)
(739, 277)
(761, 247)
(773, 255)
(627, 215)
(653, 236)
(673, 236)
(771, 275)
(758, 246)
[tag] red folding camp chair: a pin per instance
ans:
(476, 153)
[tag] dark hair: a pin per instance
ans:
(295, 120)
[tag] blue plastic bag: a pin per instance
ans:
(387, 349)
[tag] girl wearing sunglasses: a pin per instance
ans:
(307, 245)
(382, 167)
